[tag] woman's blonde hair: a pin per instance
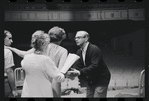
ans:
(39, 42)
(35, 35)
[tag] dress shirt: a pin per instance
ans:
(8, 59)
(84, 52)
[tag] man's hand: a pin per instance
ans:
(72, 74)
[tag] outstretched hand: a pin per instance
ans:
(61, 77)
(72, 74)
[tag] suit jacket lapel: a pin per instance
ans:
(80, 53)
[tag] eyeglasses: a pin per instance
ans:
(79, 37)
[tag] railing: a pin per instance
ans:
(142, 84)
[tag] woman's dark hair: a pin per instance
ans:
(56, 34)
(38, 43)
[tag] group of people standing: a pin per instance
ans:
(43, 62)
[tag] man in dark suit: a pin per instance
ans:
(91, 67)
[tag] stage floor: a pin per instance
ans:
(110, 94)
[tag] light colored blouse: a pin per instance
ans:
(40, 70)
(58, 54)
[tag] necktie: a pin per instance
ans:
(83, 56)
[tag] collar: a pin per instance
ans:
(4, 47)
(85, 47)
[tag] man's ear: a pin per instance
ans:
(86, 39)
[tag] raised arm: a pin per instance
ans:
(20, 53)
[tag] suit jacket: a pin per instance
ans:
(95, 71)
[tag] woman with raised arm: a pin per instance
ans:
(56, 52)
(21, 53)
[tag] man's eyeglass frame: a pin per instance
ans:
(79, 37)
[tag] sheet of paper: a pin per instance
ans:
(71, 59)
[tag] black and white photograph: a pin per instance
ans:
(80, 50)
